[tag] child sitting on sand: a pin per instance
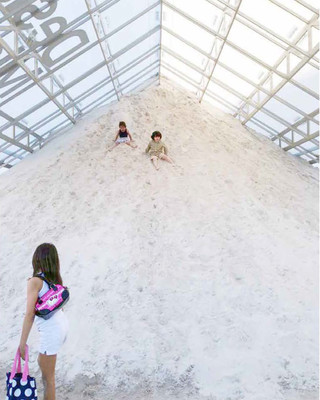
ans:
(122, 136)
(157, 149)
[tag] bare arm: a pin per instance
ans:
(165, 148)
(129, 134)
(148, 148)
(116, 136)
(33, 288)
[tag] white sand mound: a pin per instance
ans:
(197, 281)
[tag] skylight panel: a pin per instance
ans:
(179, 78)
(224, 93)
(141, 79)
(255, 44)
(201, 10)
(242, 64)
(81, 64)
(172, 43)
(233, 81)
(89, 82)
(297, 8)
(150, 48)
(188, 30)
(122, 11)
(298, 98)
(140, 67)
(271, 16)
(181, 66)
(282, 111)
(132, 32)
(270, 122)
(219, 103)
(26, 100)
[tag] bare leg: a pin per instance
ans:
(166, 158)
(154, 160)
(112, 147)
(131, 144)
(47, 365)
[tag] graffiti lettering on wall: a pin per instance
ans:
(52, 31)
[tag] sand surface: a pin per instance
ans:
(192, 282)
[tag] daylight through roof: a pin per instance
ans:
(255, 59)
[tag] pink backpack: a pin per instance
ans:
(56, 297)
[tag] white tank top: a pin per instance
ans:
(44, 289)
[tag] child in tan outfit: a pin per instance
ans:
(158, 150)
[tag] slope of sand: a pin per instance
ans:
(196, 282)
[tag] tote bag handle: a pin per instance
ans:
(16, 369)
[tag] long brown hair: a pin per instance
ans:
(46, 260)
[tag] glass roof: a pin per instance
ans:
(257, 60)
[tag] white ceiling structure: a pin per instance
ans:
(255, 59)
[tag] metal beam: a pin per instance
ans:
(161, 30)
(33, 77)
(303, 140)
(116, 55)
(220, 50)
(287, 9)
(102, 102)
(126, 83)
(195, 84)
(104, 55)
(22, 6)
(253, 25)
(20, 125)
(237, 94)
(310, 151)
(10, 154)
(233, 71)
(308, 6)
(289, 77)
(273, 133)
(270, 68)
(300, 122)
(15, 143)
(276, 90)
(5, 165)
(35, 53)
(78, 22)
(123, 70)
(96, 87)
(99, 101)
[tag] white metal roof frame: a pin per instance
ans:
(46, 85)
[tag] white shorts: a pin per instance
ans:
(53, 333)
(123, 140)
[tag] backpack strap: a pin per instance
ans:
(50, 284)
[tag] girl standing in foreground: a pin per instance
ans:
(157, 149)
(123, 136)
(52, 331)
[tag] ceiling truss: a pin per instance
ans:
(27, 64)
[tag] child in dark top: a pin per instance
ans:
(158, 150)
(122, 136)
